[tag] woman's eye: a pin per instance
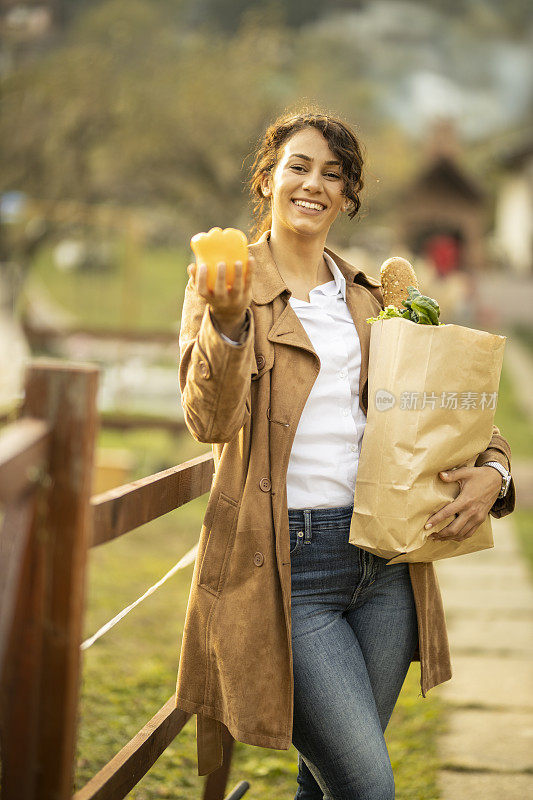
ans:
(300, 168)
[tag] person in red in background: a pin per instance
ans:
(442, 250)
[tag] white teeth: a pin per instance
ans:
(308, 205)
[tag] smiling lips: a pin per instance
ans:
(310, 205)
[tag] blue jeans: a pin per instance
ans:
(354, 633)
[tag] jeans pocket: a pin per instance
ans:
(299, 536)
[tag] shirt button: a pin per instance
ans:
(345, 411)
(265, 485)
(353, 448)
(258, 559)
(343, 373)
(204, 369)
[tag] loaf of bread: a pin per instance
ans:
(397, 275)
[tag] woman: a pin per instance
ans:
(292, 634)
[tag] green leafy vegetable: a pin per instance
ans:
(385, 313)
(426, 310)
(419, 308)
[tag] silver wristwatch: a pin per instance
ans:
(506, 476)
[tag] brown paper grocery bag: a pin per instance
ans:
(432, 393)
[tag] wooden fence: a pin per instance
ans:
(49, 522)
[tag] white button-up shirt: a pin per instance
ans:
(327, 444)
(325, 452)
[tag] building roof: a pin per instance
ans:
(517, 157)
(445, 176)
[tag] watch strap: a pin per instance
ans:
(506, 476)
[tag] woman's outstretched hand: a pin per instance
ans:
(228, 305)
(480, 487)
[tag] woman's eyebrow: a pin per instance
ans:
(308, 158)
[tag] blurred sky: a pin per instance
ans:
(432, 62)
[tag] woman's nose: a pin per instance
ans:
(313, 181)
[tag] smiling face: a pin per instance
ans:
(306, 186)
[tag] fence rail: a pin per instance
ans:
(126, 769)
(49, 523)
(123, 509)
(23, 450)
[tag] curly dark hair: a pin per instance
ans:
(342, 141)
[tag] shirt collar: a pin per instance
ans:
(267, 283)
(338, 277)
(331, 288)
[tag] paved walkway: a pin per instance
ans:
(488, 750)
(488, 596)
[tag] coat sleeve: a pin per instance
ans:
(500, 451)
(214, 375)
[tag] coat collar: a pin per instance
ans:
(267, 284)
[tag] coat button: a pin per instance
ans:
(258, 559)
(265, 485)
(260, 361)
(203, 366)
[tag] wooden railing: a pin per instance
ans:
(49, 522)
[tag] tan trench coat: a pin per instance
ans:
(236, 658)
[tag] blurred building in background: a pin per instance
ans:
(441, 216)
(513, 232)
(28, 28)
(30, 20)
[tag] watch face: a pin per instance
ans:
(506, 481)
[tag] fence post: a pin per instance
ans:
(64, 395)
(22, 640)
(216, 782)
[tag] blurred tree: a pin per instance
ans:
(135, 109)
(514, 17)
(227, 15)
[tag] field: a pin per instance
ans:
(519, 432)
(142, 294)
(131, 671)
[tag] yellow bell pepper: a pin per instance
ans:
(229, 245)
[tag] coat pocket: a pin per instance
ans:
(219, 545)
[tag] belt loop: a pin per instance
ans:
(365, 564)
(370, 566)
(307, 526)
(375, 567)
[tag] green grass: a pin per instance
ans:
(141, 293)
(511, 421)
(130, 672)
(525, 334)
(153, 450)
(519, 432)
(523, 521)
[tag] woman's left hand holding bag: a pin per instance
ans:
(480, 487)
